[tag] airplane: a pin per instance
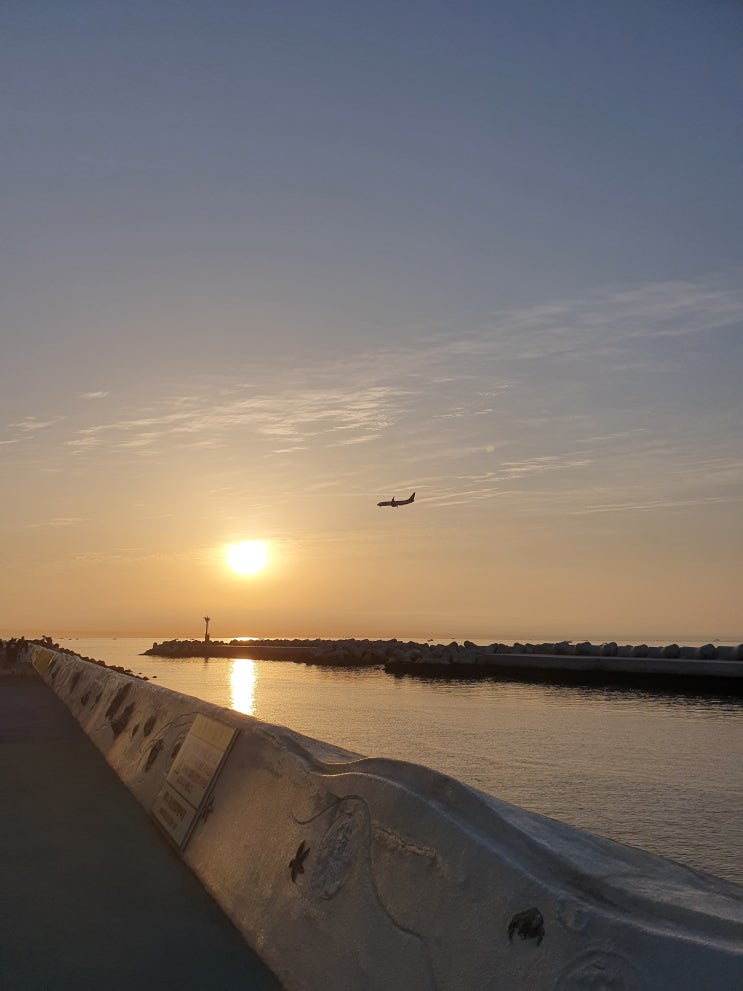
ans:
(397, 502)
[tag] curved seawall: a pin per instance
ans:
(347, 872)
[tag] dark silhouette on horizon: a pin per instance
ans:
(397, 502)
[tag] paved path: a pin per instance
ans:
(91, 895)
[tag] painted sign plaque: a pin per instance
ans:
(41, 657)
(174, 814)
(191, 776)
(199, 758)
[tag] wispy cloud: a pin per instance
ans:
(507, 478)
(619, 318)
(59, 521)
(290, 450)
(294, 415)
(357, 440)
(30, 425)
(534, 466)
(477, 412)
(607, 323)
(650, 505)
(84, 439)
(94, 395)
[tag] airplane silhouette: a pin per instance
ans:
(397, 502)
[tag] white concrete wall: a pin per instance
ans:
(412, 880)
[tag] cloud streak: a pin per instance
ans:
(60, 521)
(293, 415)
(30, 425)
(475, 414)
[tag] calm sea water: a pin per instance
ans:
(657, 771)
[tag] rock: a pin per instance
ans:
(640, 650)
(708, 652)
(463, 657)
(672, 650)
(609, 649)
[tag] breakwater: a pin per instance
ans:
(710, 666)
(345, 871)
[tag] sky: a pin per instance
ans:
(265, 264)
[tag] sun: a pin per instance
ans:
(248, 557)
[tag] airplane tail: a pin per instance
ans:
(412, 498)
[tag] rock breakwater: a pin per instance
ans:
(715, 665)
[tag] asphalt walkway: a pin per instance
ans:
(91, 895)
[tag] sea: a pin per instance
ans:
(663, 772)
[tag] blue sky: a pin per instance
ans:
(265, 263)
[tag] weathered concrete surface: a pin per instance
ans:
(91, 897)
(353, 873)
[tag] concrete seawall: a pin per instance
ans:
(346, 872)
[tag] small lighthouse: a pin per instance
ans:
(206, 629)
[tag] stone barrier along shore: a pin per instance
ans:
(352, 872)
(712, 663)
(375, 652)
(279, 650)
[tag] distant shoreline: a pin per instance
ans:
(417, 636)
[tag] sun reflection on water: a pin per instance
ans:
(242, 686)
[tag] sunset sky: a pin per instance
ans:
(264, 264)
